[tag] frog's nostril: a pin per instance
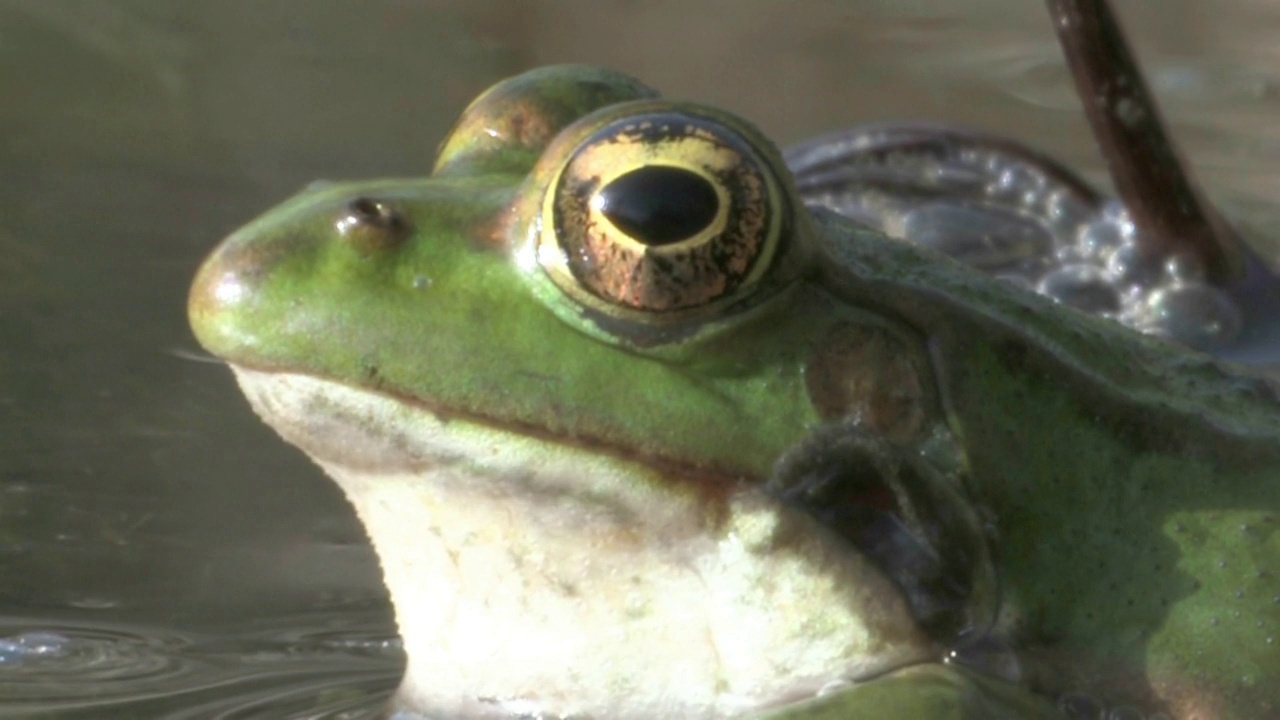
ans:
(372, 212)
(371, 225)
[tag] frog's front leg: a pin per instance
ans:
(902, 506)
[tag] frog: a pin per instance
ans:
(636, 433)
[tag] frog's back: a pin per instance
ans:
(932, 292)
(1134, 486)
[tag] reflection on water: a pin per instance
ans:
(164, 554)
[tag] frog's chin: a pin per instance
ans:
(535, 578)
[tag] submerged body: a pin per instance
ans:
(628, 451)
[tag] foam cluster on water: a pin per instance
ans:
(1020, 218)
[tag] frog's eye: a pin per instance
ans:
(371, 225)
(660, 213)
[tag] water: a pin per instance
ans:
(164, 554)
(333, 664)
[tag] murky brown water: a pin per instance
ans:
(172, 557)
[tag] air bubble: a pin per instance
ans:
(1134, 264)
(984, 238)
(1083, 287)
(1183, 269)
(1096, 239)
(1016, 182)
(1115, 211)
(1194, 314)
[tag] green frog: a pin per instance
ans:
(636, 434)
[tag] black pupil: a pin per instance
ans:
(658, 205)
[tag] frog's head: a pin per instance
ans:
(592, 399)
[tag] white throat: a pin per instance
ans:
(537, 579)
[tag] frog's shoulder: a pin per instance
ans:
(961, 310)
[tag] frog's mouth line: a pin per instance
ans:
(529, 574)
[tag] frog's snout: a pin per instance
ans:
(227, 288)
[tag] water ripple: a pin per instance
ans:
(343, 670)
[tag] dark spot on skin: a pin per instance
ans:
(369, 368)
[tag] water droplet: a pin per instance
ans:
(421, 282)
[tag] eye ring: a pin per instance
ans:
(660, 215)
